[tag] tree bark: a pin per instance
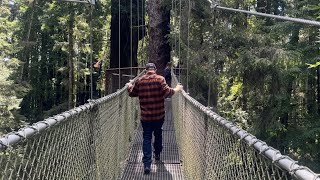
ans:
(158, 28)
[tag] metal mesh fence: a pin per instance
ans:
(213, 148)
(89, 142)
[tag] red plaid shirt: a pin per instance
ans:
(151, 89)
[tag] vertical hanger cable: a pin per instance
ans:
(131, 53)
(119, 35)
(188, 52)
(179, 39)
(138, 24)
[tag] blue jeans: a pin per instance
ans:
(148, 128)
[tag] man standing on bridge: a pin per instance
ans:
(151, 89)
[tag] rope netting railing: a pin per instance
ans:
(90, 142)
(213, 148)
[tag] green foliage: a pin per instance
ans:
(262, 73)
(10, 91)
(9, 97)
(34, 43)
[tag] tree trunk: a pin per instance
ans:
(318, 87)
(27, 49)
(310, 92)
(70, 60)
(158, 28)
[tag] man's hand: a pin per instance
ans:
(129, 85)
(178, 88)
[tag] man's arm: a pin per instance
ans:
(168, 92)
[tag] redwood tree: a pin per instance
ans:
(158, 29)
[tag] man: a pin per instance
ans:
(151, 90)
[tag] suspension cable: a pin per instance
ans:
(171, 15)
(142, 25)
(91, 54)
(131, 53)
(188, 52)
(174, 26)
(138, 24)
(180, 16)
(119, 35)
(297, 20)
(172, 30)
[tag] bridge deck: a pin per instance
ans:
(168, 168)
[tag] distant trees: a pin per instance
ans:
(263, 73)
(10, 91)
(52, 42)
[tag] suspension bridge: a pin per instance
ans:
(103, 140)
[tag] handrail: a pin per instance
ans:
(282, 161)
(38, 127)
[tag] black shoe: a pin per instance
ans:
(146, 170)
(157, 157)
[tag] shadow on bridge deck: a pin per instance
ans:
(169, 167)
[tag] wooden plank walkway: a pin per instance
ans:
(168, 168)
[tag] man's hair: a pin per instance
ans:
(150, 66)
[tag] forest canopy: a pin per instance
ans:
(261, 73)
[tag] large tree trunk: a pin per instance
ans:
(70, 60)
(158, 28)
